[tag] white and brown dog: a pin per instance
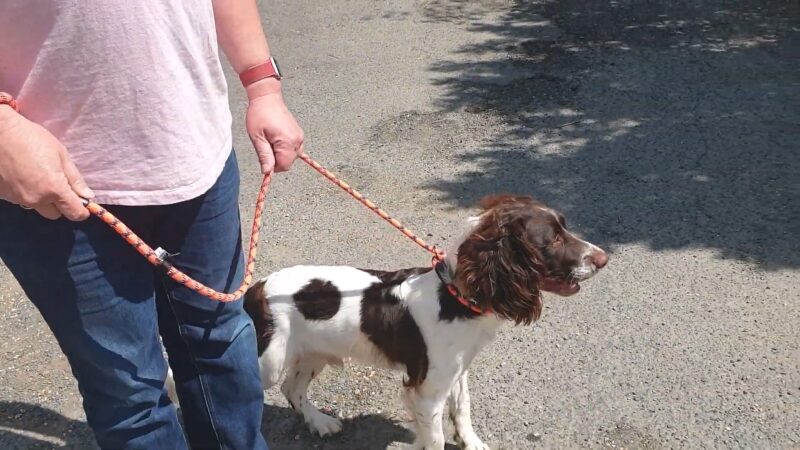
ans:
(428, 323)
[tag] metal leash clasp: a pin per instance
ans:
(163, 258)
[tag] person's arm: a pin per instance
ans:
(275, 134)
(36, 170)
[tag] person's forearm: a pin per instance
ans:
(242, 38)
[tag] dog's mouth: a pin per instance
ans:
(566, 285)
(560, 287)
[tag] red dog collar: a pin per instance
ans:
(442, 271)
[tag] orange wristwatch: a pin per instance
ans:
(7, 99)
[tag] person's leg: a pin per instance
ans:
(211, 345)
(97, 296)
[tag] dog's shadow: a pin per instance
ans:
(286, 430)
(28, 426)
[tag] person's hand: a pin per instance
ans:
(36, 170)
(275, 134)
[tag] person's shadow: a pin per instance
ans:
(26, 426)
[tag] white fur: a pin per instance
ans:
(301, 349)
(313, 344)
(587, 269)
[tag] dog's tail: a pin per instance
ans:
(256, 304)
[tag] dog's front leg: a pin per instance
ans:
(426, 407)
(460, 413)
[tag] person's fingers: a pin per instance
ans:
(48, 211)
(266, 157)
(70, 205)
(284, 159)
(286, 153)
(74, 177)
(72, 208)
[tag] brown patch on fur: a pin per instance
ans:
(388, 324)
(257, 307)
(397, 275)
(318, 300)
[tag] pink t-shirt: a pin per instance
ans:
(134, 90)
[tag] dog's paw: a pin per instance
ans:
(477, 446)
(474, 443)
(324, 425)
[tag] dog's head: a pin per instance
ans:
(516, 248)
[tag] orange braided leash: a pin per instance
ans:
(158, 257)
(437, 253)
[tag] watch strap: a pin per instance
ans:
(267, 69)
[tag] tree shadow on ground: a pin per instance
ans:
(669, 123)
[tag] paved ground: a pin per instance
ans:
(666, 131)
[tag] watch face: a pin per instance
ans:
(275, 66)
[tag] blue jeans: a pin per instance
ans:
(107, 306)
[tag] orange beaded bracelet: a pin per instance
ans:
(7, 99)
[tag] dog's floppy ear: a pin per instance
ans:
(514, 200)
(500, 270)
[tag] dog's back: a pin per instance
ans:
(315, 310)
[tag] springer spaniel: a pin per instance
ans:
(429, 323)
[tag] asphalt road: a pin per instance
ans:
(666, 131)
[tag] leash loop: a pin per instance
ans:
(160, 257)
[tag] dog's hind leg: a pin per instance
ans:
(460, 413)
(295, 389)
(172, 391)
(271, 362)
